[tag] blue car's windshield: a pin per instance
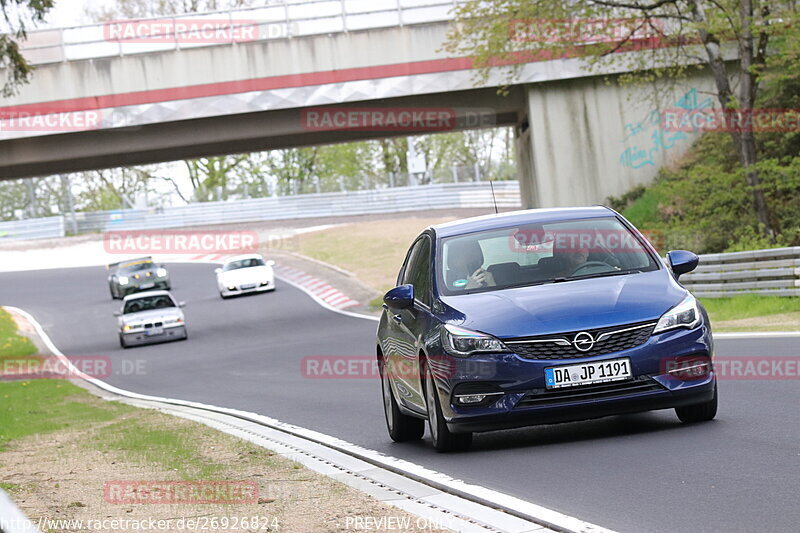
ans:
(539, 253)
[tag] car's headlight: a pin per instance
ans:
(161, 272)
(684, 315)
(126, 328)
(123, 280)
(231, 287)
(463, 342)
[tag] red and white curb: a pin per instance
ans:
(315, 286)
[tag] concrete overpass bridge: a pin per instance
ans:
(307, 72)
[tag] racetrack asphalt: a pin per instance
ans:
(634, 473)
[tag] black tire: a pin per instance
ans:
(223, 296)
(401, 427)
(111, 290)
(443, 439)
(122, 342)
(701, 412)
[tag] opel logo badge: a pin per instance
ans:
(583, 341)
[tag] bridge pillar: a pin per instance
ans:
(587, 139)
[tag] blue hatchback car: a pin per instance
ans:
(538, 317)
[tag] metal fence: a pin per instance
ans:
(35, 228)
(772, 272)
(398, 199)
(278, 19)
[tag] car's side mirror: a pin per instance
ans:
(270, 263)
(682, 261)
(117, 313)
(401, 297)
(217, 270)
(181, 304)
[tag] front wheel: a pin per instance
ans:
(443, 439)
(122, 342)
(402, 428)
(701, 412)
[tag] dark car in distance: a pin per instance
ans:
(136, 275)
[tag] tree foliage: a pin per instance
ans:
(17, 16)
(646, 40)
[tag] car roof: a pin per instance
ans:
(527, 216)
(146, 294)
(243, 256)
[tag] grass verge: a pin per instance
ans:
(61, 446)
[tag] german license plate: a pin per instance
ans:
(588, 373)
(248, 287)
(147, 285)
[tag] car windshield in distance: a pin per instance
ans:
(539, 253)
(243, 263)
(129, 268)
(148, 303)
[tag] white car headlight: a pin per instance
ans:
(123, 280)
(463, 342)
(684, 315)
(161, 272)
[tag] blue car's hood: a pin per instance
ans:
(569, 306)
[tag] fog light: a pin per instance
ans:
(470, 399)
(693, 370)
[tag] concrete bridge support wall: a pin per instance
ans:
(588, 139)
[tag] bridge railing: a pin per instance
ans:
(771, 272)
(279, 19)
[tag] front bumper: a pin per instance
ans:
(270, 286)
(525, 401)
(171, 333)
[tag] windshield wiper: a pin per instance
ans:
(601, 275)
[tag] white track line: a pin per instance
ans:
(475, 493)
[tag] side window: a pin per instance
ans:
(418, 270)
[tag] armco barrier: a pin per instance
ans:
(392, 200)
(772, 272)
(32, 228)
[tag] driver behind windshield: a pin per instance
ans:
(465, 266)
(569, 260)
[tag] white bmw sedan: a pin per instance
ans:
(244, 274)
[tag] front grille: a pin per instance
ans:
(589, 392)
(560, 346)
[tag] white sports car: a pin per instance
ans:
(244, 274)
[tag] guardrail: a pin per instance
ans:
(773, 272)
(390, 200)
(277, 20)
(34, 228)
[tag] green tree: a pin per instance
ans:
(17, 15)
(672, 37)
